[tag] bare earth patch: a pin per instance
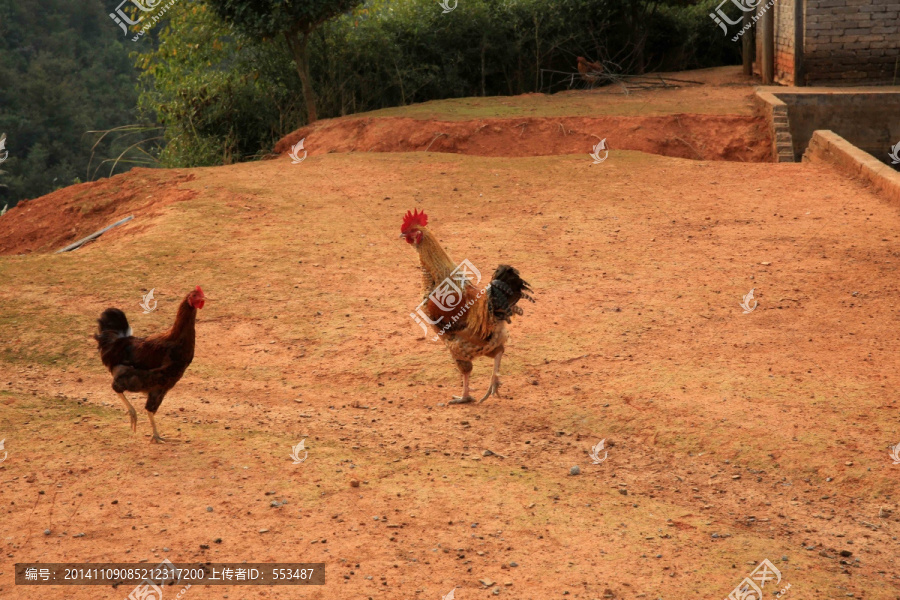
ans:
(53, 221)
(709, 137)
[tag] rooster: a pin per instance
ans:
(475, 324)
(589, 70)
(152, 365)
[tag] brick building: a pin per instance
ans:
(829, 42)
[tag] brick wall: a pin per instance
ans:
(784, 41)
(783, 11)
(851, 42)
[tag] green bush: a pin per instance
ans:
(221, 97)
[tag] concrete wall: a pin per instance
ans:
(870, 121)
(828, 147)
(851, 42)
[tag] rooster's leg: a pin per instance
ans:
(495, 379)
(466, 368)
(131, 412)
(156, 439)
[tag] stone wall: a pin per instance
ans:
(867, 120)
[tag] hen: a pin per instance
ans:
(151, 365)
(472, 323)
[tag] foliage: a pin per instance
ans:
(221, 97)
(292, 21)
(271, 18)
(64, 71)
(684, 38)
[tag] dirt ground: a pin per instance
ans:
(732, 437)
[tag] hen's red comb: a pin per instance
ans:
(414, 218)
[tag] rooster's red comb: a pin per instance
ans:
(414, 218)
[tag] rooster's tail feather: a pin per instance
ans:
(507, 288)
(500, 303)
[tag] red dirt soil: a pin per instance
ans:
(706, 137)
(732, 436)
(51, 222)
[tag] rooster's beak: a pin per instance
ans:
(402, 235)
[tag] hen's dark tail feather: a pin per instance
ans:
(112, 326)
(114, 320)
(507, 288)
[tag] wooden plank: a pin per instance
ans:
(93, 236)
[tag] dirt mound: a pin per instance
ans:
(705, 137)
(51, 222)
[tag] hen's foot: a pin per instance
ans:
(494, 389)
(132, 414)
(462, 399)
(156, 439)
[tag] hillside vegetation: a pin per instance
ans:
(64, 72)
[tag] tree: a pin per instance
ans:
(64, 71)
(296, 20)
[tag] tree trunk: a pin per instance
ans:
(747, 45)
(767, 67)
(297, 42)
(483, 48)
(537, 55)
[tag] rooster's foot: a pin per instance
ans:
(156, 439)
(462, 399)
(494, 389)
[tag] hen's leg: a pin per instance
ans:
(156, 439)
(465, 367)
(495, 378)
(154, 399)
(131, 412)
